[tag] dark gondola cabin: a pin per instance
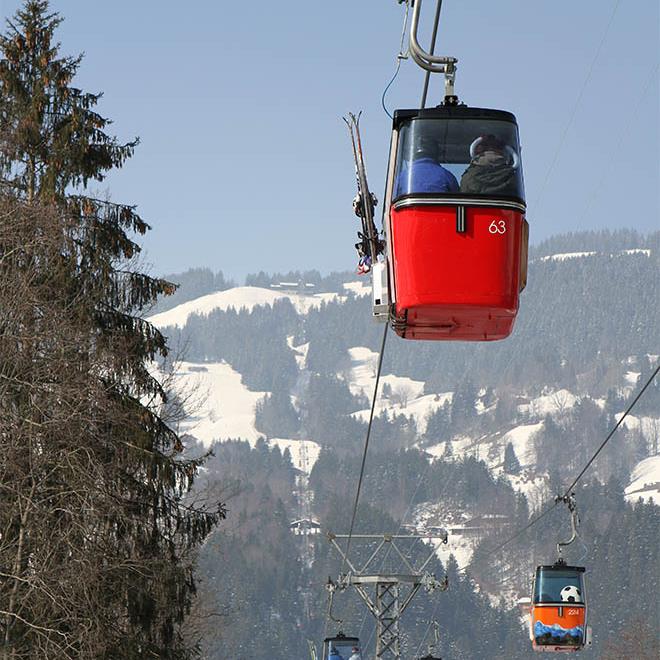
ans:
(455, 225)
(341, 647)
(559, 609)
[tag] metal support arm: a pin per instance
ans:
(433, 63)
(569, 500)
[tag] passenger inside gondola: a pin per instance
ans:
(355, 654)
(492, 170)
(341, 647)
(423, 173)
(434, 155)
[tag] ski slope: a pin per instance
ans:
(238, 298)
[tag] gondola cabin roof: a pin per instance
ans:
(561, 567)
(452, 112)
(342, 639)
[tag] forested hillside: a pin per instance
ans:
(465, 436)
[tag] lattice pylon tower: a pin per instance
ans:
(387, 595)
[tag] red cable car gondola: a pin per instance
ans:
(455, 223)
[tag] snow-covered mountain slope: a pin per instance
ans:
(223, 407)
(219, 406)
(242, 297)
(398, 395)
(645, 481)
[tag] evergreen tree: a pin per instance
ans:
(511, 462)
(94, 527)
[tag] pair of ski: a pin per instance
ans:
(370, 245)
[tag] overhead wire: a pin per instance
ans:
(366, 447)
(576, 105)
(364, 459)
(624, 135)
(401, 56)
(569, 490)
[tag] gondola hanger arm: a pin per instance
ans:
(444, 64)
(569, 500)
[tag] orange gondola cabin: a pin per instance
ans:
(455, 225)
(559, 609)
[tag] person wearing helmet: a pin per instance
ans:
(493, 168)
(424, 174)
(334, 654)
(355, 654)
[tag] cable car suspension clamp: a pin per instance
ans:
(428, 61)
(431, 583)
(569, 500)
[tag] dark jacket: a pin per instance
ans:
(490, 173)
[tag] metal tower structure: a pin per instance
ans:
(387, 595)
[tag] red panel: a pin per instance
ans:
(455, 286)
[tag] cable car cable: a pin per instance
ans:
(366, 446)
(364, 458)
(574, 110)
(623, 137)
(612, 432)
(401, 56)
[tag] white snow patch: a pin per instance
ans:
(649, 427)
(645, 481)
(549, 404)
(219, 405)
(407, 395)
(436, 451)
(300, 352)
(462, 548)
(461, 446)
(567, 255)
(430, 518)
(242, 297)
(304, 453)
(643, 251)
(364, 365)
(521, 438)
(632, 377)
(533, 486)
(359, 288)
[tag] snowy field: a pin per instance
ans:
(242, 297)
(548, 404)
(219, 405)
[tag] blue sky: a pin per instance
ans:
(245, 164)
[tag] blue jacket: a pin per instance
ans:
(425, 175)
(335, 656)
